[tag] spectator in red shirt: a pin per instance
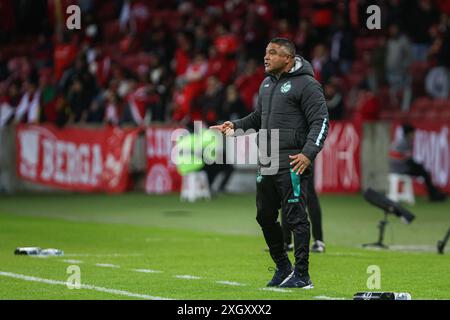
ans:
(181, 58)
(64, 54)
(248, 84)
(221, 66)
(194, 78)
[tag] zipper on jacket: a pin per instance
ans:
(270, 107)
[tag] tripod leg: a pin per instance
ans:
(442, 243)
(382, 228)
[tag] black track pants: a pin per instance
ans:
(285, 190)
(314, 211)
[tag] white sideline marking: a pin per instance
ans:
(83, 286)
(328, 298)
(231, 283)
(186, 276)
(147, 271)
(107, 265)
(276, 289)
(413, 248)
(339, 254)
(72, 261)
(104, 255)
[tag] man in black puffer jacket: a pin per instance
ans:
(291, 104)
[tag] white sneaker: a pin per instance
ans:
(318, 246)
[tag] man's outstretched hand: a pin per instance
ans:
(226, 128)
(300, 163)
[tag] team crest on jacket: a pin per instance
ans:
(286, 87)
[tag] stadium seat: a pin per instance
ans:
(195, 186)
(401, 188)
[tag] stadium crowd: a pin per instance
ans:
(143, 61)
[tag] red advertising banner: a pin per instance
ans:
(337, 167)
(162, 175)
(432, 149)
(75, 158)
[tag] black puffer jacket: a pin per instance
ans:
(295, 105)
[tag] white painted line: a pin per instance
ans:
(104, 255)
(107, 265)
(231, 283)
(344, 254)
(413, 248)
(72, 261)
(147, 271)
(186, 276)
(328, 298)
(83, 286)
(276, 290)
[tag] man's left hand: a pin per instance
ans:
(300, 163)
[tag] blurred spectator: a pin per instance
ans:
(322, 17)
(220, 65)
(134, 16)
(100, 66)
(43, 51)
(78, 101)
(29, 106)
(9, 98)
(377, 64)
(93, 32)
(255, 31)
(181, 57)
(248, 84)
(194, 78)
(305, 38)
(443, 55)
(209, 105)
(179, 106)
(367, 107)
(324, 67)
(335, 101)
(233, 107)
(139, 102)
(421, 16)
(225, 42)
(48, 97)
(398, 62)
(263, 10)
(342, 46)
(162, 85)
(283, 30)
(112, 110)
(64, 54)
(202, 41)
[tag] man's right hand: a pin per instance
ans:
(227, 128)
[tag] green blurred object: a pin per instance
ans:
(194, 147)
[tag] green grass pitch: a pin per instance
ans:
(206, 250)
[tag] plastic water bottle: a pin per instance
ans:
(402, 296)
(382, 296)
(51, 252)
